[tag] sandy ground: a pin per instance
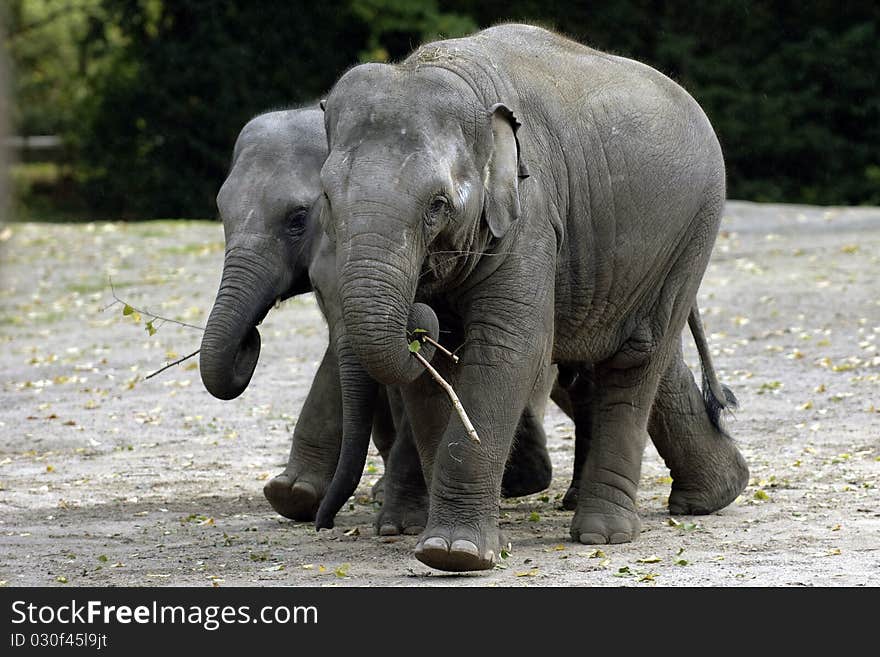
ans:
(107, 479)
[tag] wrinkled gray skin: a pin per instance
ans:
(275, 251)
(557, 203)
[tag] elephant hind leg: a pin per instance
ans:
(626, 386)
(617, 418)
(405, 505)
(708, 471)
(528, 469)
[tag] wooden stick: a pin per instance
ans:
(429, 339)
(456, 402)
(177, 362)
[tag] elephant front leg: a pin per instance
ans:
(493, 384)
(296, 493)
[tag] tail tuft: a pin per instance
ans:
(715, 406)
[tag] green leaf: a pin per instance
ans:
(534, 516)
(149, 328)
(681, 562)
(415, 346)
(761, 495)
(420, 331)
(652, 559)
(127, 310)
(102, 558)
(342, 570)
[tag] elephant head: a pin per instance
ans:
(265, 203)
(422, 175)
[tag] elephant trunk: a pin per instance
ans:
(231, 343)
(359, 392)
(377, 287)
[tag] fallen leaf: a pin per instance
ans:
(527, 573)
(652, 559)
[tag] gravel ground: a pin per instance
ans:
(108, 479)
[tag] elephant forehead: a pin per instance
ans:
(387, 98)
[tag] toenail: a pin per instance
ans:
(435, 543)
(463, 545)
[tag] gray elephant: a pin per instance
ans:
(274, 250)
(551, 202)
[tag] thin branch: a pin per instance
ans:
(116, 300)
(456, 402)
(430, 340)
(177, 362)
(21, 30)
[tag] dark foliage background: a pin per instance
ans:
(149, 95)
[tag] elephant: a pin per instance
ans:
(274, 250)
(551, 203)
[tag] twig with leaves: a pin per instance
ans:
(130, 311)
(414, 347)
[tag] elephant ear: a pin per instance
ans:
(503, 172)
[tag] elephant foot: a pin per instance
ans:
(713, 486)
(378, 490)
(459, 548)
(600, 521)
(570, 499)
(528, 471)
(293, 497)
(403, 515)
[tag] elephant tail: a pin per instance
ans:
(716, 396)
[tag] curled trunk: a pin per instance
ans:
(231, 342)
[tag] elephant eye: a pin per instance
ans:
(296, 220)
(297, 216)
(438, 208)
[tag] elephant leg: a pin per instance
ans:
(296, 493)
(383, 438)
(405, 508)
(576, 403)
(462, 532)
(708, 471)
(529, 469)
(619, 409)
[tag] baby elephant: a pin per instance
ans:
(559, 204)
